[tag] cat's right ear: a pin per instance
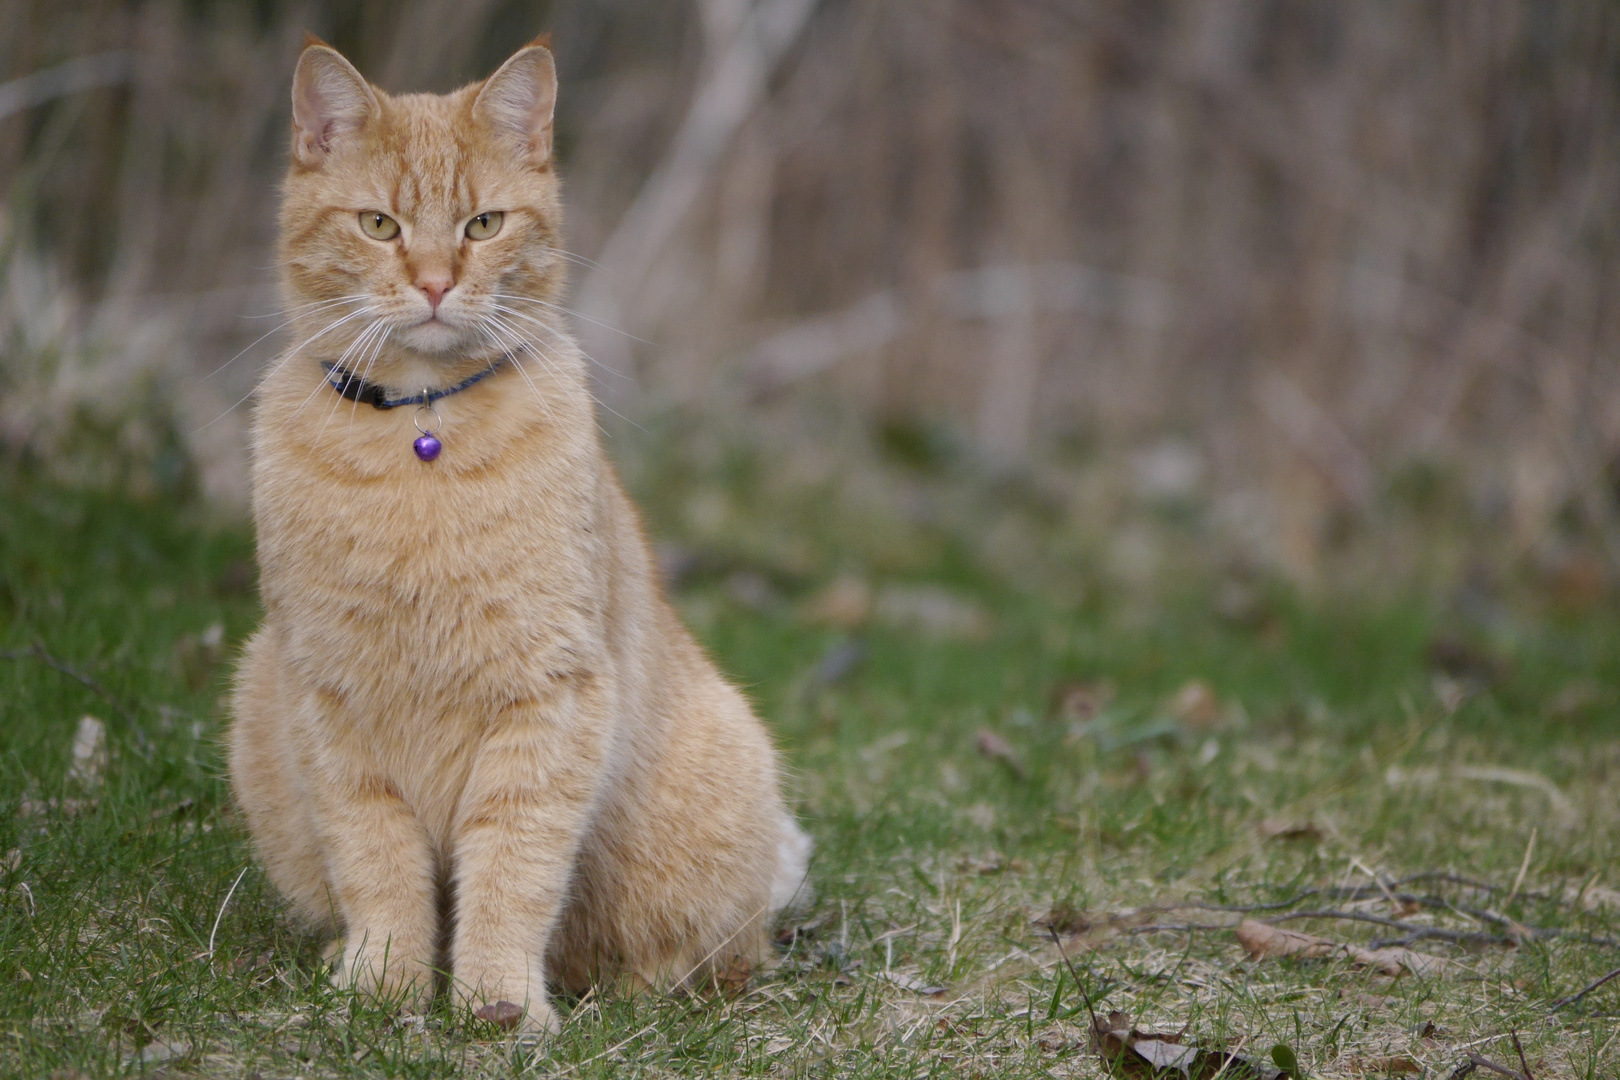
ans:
(331, 101)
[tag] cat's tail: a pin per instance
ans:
(791, 893)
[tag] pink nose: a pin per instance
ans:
(435, 288)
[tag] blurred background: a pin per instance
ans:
(1083, 292)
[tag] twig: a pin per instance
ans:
(1357, 892)
(1573, 998)
(1514, 1035)
(1075, 975)
(37, 651)
(1486, 1063)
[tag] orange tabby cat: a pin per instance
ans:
(469, 695)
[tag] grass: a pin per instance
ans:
(1326, 748)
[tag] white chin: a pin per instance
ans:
(435, 337)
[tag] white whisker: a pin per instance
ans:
(355, 347)
(368, 309)
(267, 333)
(576, 314)
(554, 330)
(544, 356)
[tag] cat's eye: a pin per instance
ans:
(378, 225)
(485, 225)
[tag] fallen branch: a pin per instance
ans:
(1476, 1062)
(37, 651)
(1587, 989)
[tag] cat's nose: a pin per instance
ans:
(435, 286)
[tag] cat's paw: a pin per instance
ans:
(332, 955)
(539, 1019)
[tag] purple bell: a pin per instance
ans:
(427, 447)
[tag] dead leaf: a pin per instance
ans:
(1282, 829)
(788, 935)
(931, 610)
(1141, 1055)
(1195, 705)
(1385, 1065)
(1365, 1000)
(996, 748)
(12, 860)
(178, 809)
(163, 1050)
(1578, 581)
(1065, 920)
(733, 979)
(89, 753)
(1081, 702)
(914, 984)
(845, 603)
(1457, 658)
(504, 1014)
(992, 863)
(1267, 942)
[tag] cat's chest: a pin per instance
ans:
(429, 581)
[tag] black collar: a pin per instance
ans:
(351, 385)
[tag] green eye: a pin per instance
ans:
(485, 225)
(378, 225)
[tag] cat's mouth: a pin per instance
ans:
(433, 334)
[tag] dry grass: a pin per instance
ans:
(1320, 249)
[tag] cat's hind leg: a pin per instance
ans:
(269, 782)
(690, 858)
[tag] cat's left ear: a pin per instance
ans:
(519, 100)
(331, 101)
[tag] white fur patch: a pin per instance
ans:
(790, 890)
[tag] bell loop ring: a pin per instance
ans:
(432, 416)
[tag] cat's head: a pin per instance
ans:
(425, 214)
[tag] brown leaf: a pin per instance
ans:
(805, 930)
(914, 984)
(1145, 1055)
(996, 748)
(1267, 942)
(1081, 702)
(1064, 919)
(1385, 1065)
(1195, 705)
(505, 1014)
(1282, 829)
(992, 863)
(732, 979)
(845, 603)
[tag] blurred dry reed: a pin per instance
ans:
(1287, 253)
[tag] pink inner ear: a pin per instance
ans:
(520, 98)
(328, 97)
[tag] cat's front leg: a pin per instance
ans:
(382, 871)
(517, 833)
